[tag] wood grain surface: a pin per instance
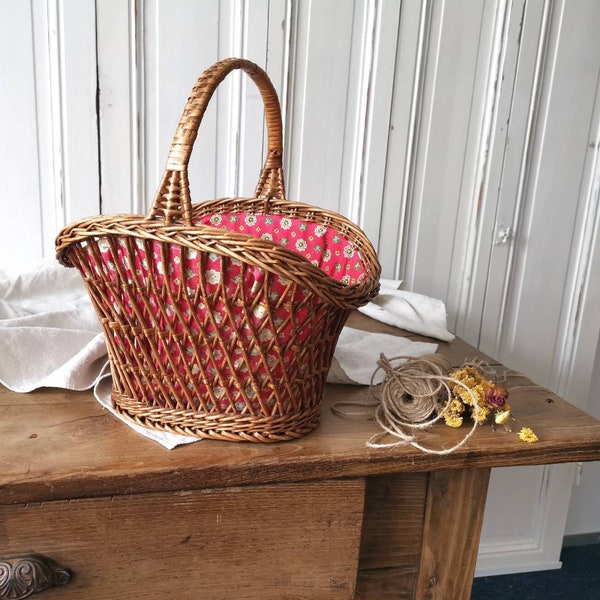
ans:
(392, 536)
(453, 520)
(58, 444)
(320, 517)
(285, 542)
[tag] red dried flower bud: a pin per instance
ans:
(496, 396)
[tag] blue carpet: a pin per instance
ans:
(578, 579)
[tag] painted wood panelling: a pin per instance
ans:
(512, 91)
(119, 106)
(21, 194)
(322, 35)
(455, 64)
(182, 39)
(368, 118)
(49, 152)
(547, 217)
(74, 71)
(541, 177)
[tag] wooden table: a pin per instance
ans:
(321, 517)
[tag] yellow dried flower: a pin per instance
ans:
(473, 395)
(478, 385)
(502, 417)
(456, 406)
(482, 415)
(527, 435)
(453, 420)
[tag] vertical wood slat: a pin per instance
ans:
(391, 536)
(244, 31)
(120, 105)
(181, 39)
(555, 207)
(322, 35)
(511, 170)
(49, 147)
(403, 136)
(73, 71)
(514, 57)
(48, 160)
(227, 158)
(19, 122)
(394, 583)
(368, 114)
(393, 521)
(411, 526)
(445, 154)
(447, 562)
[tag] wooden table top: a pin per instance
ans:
(57, 444)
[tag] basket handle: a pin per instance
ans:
(172, 202)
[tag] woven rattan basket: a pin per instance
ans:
(221, 318)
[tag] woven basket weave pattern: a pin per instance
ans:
(221, 318)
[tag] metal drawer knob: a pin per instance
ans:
(22, 576)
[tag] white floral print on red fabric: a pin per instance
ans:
(158, 284)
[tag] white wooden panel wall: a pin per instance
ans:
(449, 105)
(119, 109)
(49, 152)
(149, 63)
(21, 193)
(432, 123)
(543, 169)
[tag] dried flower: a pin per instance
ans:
(501, 417)
(473, 395)
(469, 389)
(481, 415)
(453, 420)
(527, 435)
(496, 396)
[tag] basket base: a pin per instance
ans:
(224, 427)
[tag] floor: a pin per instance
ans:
(579, 579)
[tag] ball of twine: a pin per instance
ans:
(413, 396)
(410, 392)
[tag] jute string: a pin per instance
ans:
(413, 396)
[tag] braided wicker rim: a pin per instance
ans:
(261, 253)
(225, 427)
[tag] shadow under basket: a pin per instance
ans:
(221, 318)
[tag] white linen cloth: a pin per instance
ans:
(409, 310)
(50, 337)
(357, 352)
(49, 332)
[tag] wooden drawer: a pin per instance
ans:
(284, 541)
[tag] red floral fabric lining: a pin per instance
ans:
(153, 287)
(321, 245)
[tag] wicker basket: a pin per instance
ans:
(221, 318)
